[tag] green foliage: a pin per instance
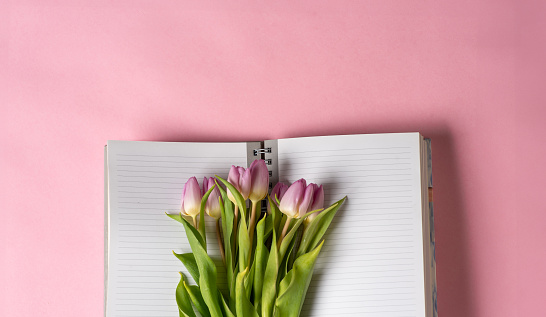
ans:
(183, 300)
(265, 280)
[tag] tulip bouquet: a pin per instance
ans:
(268, 258)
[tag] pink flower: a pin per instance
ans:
(191, 198)
(212, 207)
(296, 200)
(259, 180)
(239, 177)
(277, 193)
(301, 198)
(252, 182)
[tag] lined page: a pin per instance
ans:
(145, 180)
(372, 261)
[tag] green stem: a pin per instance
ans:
(284, 230)
(220, 243)
(251, 228)
(235, 226)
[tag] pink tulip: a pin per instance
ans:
(240, 178)
(212, 207)
(277, 193)
(191, 198)
(291, 202)
(301, 198)
(259, 180)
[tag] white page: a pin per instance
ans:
(372, 261)
(145, 181)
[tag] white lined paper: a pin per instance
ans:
(145, 180)
(372, 261)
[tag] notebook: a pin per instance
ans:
(378, 257)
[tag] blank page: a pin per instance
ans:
(145, 180)
(372, 261)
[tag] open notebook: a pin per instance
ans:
(378, 258)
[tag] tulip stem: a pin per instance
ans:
(235, 226)
(220, 243)
(194, 221)
(284, 230)
(252, 224)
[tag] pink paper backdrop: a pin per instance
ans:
(468, 74)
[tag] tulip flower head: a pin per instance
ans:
(212, 207)
(191, 198)
(240, 178)
(259, 180)
(296, 200)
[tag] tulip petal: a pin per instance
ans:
(307, 199)
(244, 183)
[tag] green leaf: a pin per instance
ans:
(183, 300)
(276, 215)
(197, 299)
(188, 259)
(317, 228)
(227, 229)
(202, 230)
(182, 220)
(261, 260)
(207, 270)
(249, 279)
(238, 197)
(225, 307)
(269, 289)
(293, 287)
(243, 305)
(244, 245)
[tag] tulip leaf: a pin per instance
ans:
(183, 300)
(202, 215)
(249, 280)
(238, 197)
(276, 215)
(227, 227)
(260, 261)
(269, 289)
(243, 305)
(225, 307)
(197, 299)
(244, 245)
(293, 287)
(188, 259)
(317, 228)
(207, 270)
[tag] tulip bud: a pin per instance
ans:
(212, 206)
(259, 180)
(277, 193)
(291, 201)
(239, 177)
(191, 198)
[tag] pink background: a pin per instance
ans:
(468, 74)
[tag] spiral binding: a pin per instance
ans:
(262, 151)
